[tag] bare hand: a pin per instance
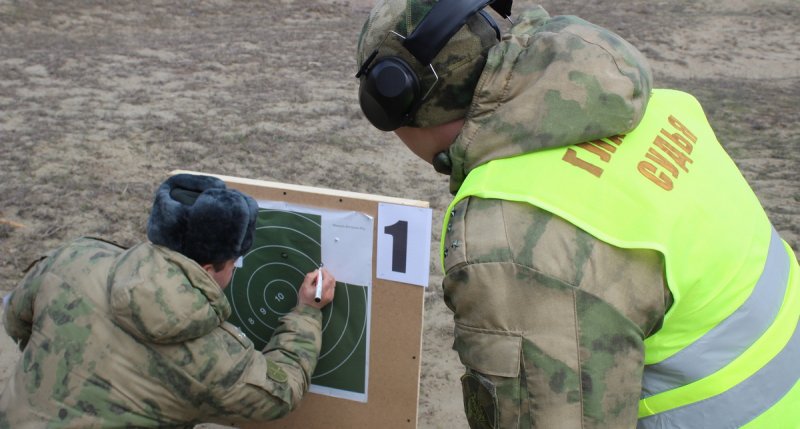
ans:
(309, 287)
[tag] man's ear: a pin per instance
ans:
(209, 268)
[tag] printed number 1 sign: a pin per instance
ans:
(404, 243)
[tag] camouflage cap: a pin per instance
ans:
(458, 65)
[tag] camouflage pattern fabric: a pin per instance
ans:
(551, 82)
(138, 338)
(549, 321)
(458, 65)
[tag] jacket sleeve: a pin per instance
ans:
(274, 381)
(18, 304)
(549, 321)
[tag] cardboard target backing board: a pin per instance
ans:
(395, 333)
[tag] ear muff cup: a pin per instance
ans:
(387, 93)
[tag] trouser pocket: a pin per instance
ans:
(491, 386)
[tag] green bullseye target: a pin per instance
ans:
(286, 247)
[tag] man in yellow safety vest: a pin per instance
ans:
(606, 263)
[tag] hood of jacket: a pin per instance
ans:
(163, 297)
(551, 82)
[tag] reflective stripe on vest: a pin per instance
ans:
(743, 399)
(669, 186)
(729, 339)
(742, 403)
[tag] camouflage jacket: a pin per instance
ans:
(138, 338)
(581, 307)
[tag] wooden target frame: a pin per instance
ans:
(396, 324)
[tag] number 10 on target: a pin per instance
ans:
(404, 243)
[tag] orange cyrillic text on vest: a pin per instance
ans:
(591, 155)
(668, 155)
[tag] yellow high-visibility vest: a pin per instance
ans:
(728, 353)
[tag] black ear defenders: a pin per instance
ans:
(390, 90)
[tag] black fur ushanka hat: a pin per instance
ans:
(199, 217)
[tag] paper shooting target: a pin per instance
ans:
(285, 248)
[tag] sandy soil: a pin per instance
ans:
(100, 100)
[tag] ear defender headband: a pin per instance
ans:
(390, 91)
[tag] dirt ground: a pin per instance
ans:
(99, 101)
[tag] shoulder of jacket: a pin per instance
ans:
(230, 330)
